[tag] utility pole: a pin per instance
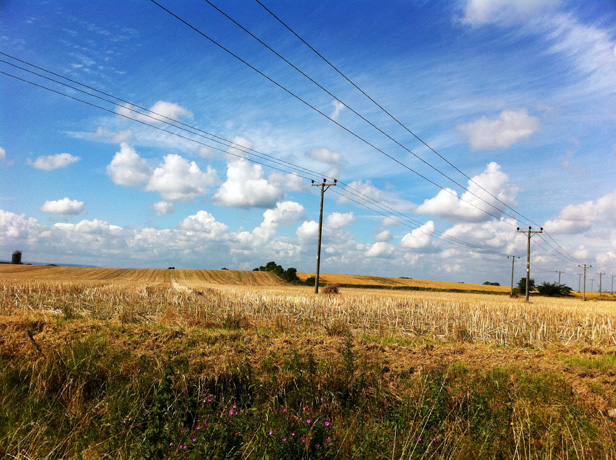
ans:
(600, 279)
(512, 265)
(585, 267)
(559, 273)
(592, 284)
(579, 282)
(612, 276)
(324, 186)
(528, 232)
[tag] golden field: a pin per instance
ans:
(544, 370)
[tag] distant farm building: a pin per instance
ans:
(16, 259)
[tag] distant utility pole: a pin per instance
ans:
(592, 284)
(529, 233)
(579, 282)
(612, 276)
(512, 266)
(324, 186)
(600, 279)
(585, 267)
(559, 273)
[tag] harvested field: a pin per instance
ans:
(135, 363)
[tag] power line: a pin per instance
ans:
(322, 113)
(386, 111)
(357, 113)
(347, 188)
(399, 123)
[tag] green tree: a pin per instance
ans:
(522, 285)
(554, 290)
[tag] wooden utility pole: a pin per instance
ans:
(612, 276)
(600, 279)
(324, 186)
(529, 233)
(585, 267)
(512, 265)
(559, 273)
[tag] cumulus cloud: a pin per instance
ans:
(291, 182)
(163, 208)
(479, 12)
(159, 112)
(204, 224)
(16, 226)
(326, 156)
(337, 220)
(510, 127)
(420, 238)
(127, 168)
(500, 235)
(285, 213)
(51, 162)
(2, 154)
(308, 231)
(178, 180)
(380, 249)
(64, 207)
(578, 218)
(448, 205)
(246, 187)
(384, 236)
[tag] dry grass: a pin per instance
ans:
(207, 322)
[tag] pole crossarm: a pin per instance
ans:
(324, 186)
(529, 234)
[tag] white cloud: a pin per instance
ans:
(127, 168)
(162, 112)
(285, 213)
(384, 236)
(380, 249)
(238, 150)
(589, 49)
(51, 162)
(338, 107)
(337, 220)
(2, 154)
(16, 226)
(499, 235)
(390, 222)
(326, 156)
(365, 191)
(577, 218)
(510, 127)
(291, 182)
(420, 238)
(64, 207)
(178, 180)
(204, 224)
(308, 231)
(478, 12)
(124, 136)
(246, 186)
(163, 208)
(205, 152)
(446, 203)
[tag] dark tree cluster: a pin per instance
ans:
(554, 290)
(489, 283)
(290, 274)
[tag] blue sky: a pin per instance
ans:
(518, 95)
